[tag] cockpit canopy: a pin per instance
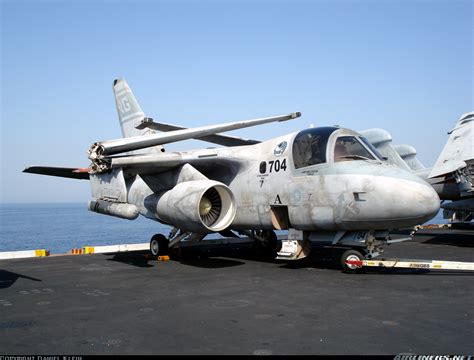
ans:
(319, 145)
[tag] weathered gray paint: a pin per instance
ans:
(111, 147)
(319, 197)
(218, 139)
(458, 149)
(382, 140)
(452, 176)
(338, 197)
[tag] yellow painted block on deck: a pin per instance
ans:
(88, 250)
(41, 253)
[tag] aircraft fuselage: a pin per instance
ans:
(270, 192)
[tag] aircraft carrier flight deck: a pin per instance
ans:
(230, 302)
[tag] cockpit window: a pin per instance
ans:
(309, 146)
(372, 148)
(349, 148)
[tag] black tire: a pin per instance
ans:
(269, 246)
(159, 245)
(270, 239)
(351, 255)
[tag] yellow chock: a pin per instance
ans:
(88, 249)
(41, 253)
(163, 258)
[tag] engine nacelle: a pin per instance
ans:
(200, 206)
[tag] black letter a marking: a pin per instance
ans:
(277, 200)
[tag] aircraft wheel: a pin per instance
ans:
(269, 244)
(159, 245)
(270, 241)
(351, 255)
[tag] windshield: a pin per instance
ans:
(349, 148)
(309, 146)
(372, 148)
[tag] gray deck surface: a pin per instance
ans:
(236, 304)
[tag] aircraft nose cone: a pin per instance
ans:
(399, 200)
(418, 201)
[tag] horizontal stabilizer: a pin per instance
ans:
(218, 139)
(117, 146)
(72, 173)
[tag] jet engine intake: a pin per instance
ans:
(200, 206)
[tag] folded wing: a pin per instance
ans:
(218, 139)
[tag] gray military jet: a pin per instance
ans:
(452, 176)
(324, 185)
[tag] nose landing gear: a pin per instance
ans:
(351, 255)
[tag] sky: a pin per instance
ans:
(404, 66)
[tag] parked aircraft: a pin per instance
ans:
(324, 185)
(452, 176)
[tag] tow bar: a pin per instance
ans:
(413, 264)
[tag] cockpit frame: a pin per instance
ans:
(315, 147)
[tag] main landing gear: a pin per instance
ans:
(159, 245)
(266, 242)
(163, 247)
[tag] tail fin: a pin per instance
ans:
(131, 115)
(129, 111)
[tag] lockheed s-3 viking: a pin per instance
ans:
(323, 184)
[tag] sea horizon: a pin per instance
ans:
(60, 227)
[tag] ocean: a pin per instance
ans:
(62, 227)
